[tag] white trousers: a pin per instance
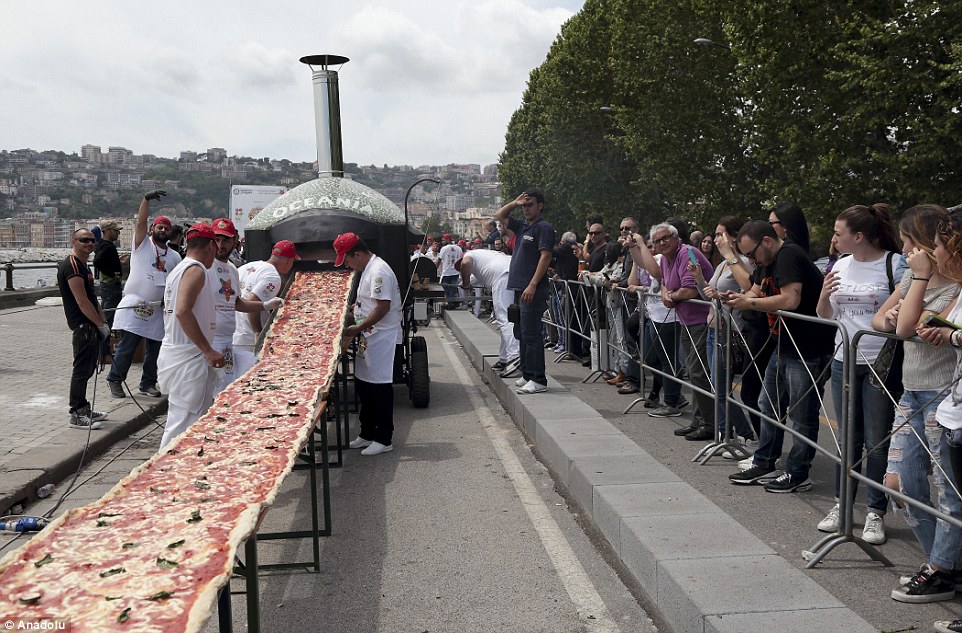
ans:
(502, 297)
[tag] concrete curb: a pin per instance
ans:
(663, 530)
(20, 477)
(25, 297)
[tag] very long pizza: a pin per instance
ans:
(151, 554)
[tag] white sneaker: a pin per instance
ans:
(376, 448)
(360, 442)
(520, 382)
(874, 530)
(830, 522)
(532, 387)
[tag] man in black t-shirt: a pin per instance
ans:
(89, 326)
(110, 271)
(797, 371)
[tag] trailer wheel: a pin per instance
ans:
(420, 380)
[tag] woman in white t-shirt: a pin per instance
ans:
(852, 294)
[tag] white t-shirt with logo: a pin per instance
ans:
(378, 282)
(448, 257)
(225, 282)
(149, 267)
(863, 288)
(263, 280)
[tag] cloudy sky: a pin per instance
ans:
(429, 82)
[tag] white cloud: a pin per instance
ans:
(428, 82)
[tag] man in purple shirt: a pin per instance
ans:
(678, 287)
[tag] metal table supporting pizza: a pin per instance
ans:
(332, 409)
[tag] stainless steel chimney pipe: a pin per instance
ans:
(327, 114)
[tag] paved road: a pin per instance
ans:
(459, 529)
(35, 366)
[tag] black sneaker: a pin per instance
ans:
(954, 576)
(754, 476)
(116, 389)
(944, 626)
(928, 585)
(653, 401)
(788, 483)
(683, 403)
(150, 391)
(703, 432)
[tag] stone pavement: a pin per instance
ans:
(38, 446)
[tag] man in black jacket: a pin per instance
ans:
(109, 268)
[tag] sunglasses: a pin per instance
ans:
(625, 228)
(86, 240)
(596, 232)
(774, 222)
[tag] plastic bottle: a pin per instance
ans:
(24, 524)
(45, 491)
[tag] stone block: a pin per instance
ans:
(588, 472)
(804, 621)
(689, 595)
(559, 449)
(612, 504)
(647, 541)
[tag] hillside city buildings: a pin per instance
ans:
(45, 196)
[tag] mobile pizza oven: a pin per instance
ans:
(313, 214)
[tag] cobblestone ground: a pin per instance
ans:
(35, 365)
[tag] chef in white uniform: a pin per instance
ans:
(185, 367)
(490, 268)
(377, 325)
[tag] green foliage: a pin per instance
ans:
(825, 103)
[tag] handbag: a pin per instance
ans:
(887, 367)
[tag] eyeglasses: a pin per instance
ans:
(662, 240)
(751, 254)
(596, 232)
(627, 228)
(86, 240)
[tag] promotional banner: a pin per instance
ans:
(246, 201)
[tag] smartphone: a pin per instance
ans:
(934, 320)
(691, 257)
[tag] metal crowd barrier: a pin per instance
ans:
(577, 316)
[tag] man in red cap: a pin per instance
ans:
(450, 253)
(225, 284)
(259, 281)
(139, 313)
(377, 324)
(186, 356)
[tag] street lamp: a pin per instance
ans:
(704, 41)
(408, 192)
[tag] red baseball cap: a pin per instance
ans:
(285, 248)
(462, 243)
(446, 236)
(343, 244)
(223, 226)
(200, 229)
(161, 219)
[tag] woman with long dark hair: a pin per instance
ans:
(852, 294)
(789, 223)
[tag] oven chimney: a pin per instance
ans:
(327, 114)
